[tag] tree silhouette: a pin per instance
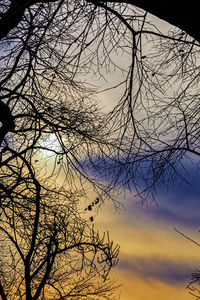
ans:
(46, 61)
(6, 120)
(178, 13)
(47, 250)
(49, 123)
(48, 48)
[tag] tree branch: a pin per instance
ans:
(11, 18)
(181, 14)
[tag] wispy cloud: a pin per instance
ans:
(127, 173)
(158, 268)
(180, 205)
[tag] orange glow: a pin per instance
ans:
(151, 243)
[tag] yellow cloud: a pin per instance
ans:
(135, 288)
(142, 238)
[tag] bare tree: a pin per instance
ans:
(48, 48)
(179, 13)
(157, 117)
(47, 249)
(151, 130)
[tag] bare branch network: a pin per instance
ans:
(56, 142)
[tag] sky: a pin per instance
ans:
(156, 262)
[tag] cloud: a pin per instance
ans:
(174, 213)
(180, 205)
(131, 172)
(168, 271)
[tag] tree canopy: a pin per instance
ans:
(179, 13)
(56, 142)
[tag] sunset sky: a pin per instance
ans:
(156, 262)
(99, 133)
